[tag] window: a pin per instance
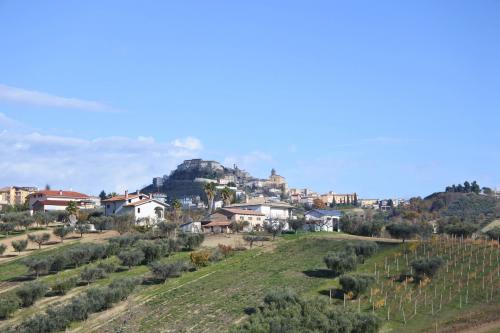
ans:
(108, 206)
(129, 200)
(249, 218)
(138, 210)
(258, 219)
(242, 218)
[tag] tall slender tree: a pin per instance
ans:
(227, 195)
(210, 191)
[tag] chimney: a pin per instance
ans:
(126, 194)
(60, 193)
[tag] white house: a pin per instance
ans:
(141, 206)
(50, 200)
(322, 220)
(191, 227)
(272, 210)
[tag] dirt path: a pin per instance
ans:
(54, 241)
(491, 327)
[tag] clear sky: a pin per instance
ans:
(385, 98)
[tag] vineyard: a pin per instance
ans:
(467, 273)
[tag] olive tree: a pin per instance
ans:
(20, 245)
(63, 232)
(39, 239)
(131, 258)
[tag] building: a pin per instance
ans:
(50, 200)
(368, 203)
(15, 195)
(332, 198)
(322, 220)
(141, 206)
(273, 210)
(255, 220)
(191, 227)
(216, 223)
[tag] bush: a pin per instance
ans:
(200, 258)
(402, 230)
(108, 267)
(38, 265)
(8, 305)
(78, 255)
(493, 234)
(126, 240)
(131, 258)
(362, 249)
(61, 287)
(460, 229)
(426, 267)
(225, 250)
(3, 247)
(30, 292)
(285, 311)
(20, 245)
(356, 284)
(91, 274)
(191, 241)
(152, 250)
(162, 272)
(340, 262)
(59, 262)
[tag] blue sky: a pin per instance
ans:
(384, 98)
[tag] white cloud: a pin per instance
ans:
(7, 122)
(33, 97)
(188, 143)
(110, 163)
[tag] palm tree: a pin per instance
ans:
(227, 195)
(176, 206)
(210, 191)
(72, 208)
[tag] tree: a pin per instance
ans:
(39, 239)
(494, 234)
(356, 284)
(38, 266)
(210, 191)
(475, 187)
(238, 226)
(163, 271)
(296, 224)
(227, 195)
(3, 247)
(318, 204)
(176, 207)
(102, 195)
(62, 232)
(82, 228)
(274, 227)
(403, 231)
(25, 221)
(426, 267)
(72, 208)
(340, 262)
(20, 245)
(91, 274)
(8, 305)
(101, 223)
(131, 258)
(460, 229)
(487, 191)
(42, 218)
(123, 223)
(30, 292)
(467, 187)
(166, 229)
(7, 228)
(61, 287)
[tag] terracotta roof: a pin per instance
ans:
(66, 194)
(121, 197)
(55, 202)
(243, 211)
(217, 224)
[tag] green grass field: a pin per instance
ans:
(215, 297)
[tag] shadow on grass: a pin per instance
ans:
(319, 273)
(22, 278)
(336, 293)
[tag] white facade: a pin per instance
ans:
(322, 220)
(141, 206)
(279, 211)
(191, 227)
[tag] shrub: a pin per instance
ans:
(124, 241)
(20, 245)
(356, 284)
(3, 247)
(402, 230)
(340, 262)
(8, 305)
(78, 255)
(460, 229)
(108, 267)
(61, 287)
(426, 267)
(91, 274)
(38, 265)
(30, 292)
(191, 241)
(59, 262)
(225, 250)
(152, 250)
(493, 234)
(162, 272)
(131, 258)
(362, 249)
(200, 258)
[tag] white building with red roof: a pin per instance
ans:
(141, 206)
(50, 200)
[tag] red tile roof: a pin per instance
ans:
(243, 211)
(62, 194)
(54, 203)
